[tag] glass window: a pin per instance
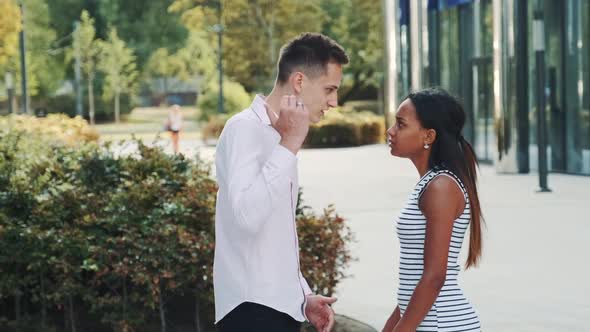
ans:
(577, 54)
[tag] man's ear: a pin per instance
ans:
(297, 81)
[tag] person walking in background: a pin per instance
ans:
(432, 225)
(257, 279)
(174, 126)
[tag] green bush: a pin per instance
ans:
(57, 128)
(212, 129)
(113, 242)
(235, 99)
(337, 129)
(340, 129)
(370, 105)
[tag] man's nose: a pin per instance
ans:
(333, 102)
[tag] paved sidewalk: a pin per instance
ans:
(534, 273)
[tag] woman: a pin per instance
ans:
(433, 223)
(174, 125)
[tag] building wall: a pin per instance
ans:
(483, 52)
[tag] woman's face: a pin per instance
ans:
(406, 138)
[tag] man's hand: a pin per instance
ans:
(292, 122)
(319, 312)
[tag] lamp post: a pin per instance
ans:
(9, 82)
(77, 69)
(23, 62)
(539, 47)
(218, 28)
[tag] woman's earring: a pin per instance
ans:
(426, 146)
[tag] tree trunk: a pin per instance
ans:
(162, 313)
(17, 308)
(43, 305)
(117, 111)
(71, 311)
(271, 42)
(197, 315)
(91, 99)
(125, 299)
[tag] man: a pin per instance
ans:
(258, 283)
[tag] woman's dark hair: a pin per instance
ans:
(438, 110)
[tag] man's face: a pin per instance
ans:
(319, 94)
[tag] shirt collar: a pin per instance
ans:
(259, 107)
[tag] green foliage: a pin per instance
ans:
(346, 129)
(324, 251)
(235, 99)
(213, 127)
(53, 129)
(45, 70)
(9, 28)
(117, 62)
(144, 28)
(86, 41)
(359, 30)
(88, 233)
(253, 32)
(195, 60)
(337, 129)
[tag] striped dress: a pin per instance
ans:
(451, 311)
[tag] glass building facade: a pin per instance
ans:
(484, 51)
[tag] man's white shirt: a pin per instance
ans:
(256, 246)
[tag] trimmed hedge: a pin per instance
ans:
(105, 242)
(342, 129)
(337, 129)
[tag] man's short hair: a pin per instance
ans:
(309, 53)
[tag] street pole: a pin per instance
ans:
(219, 30)
(23, 62)
(8, 81)
(539, 47)
(77, 69)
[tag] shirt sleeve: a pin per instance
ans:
(306, 289)
(254, 184)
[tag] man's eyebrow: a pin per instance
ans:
(335, 87)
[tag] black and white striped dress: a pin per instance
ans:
(451, 311)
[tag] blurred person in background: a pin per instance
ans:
(174, 125)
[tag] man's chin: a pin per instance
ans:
(315, 119)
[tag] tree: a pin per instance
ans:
(88, 46)
(359, 29)
(249, 55)
(144, 27)
(196, 59)
(45, 71)
(118, 64)
(9, 28)
(162, 65)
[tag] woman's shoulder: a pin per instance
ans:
(441, 181)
